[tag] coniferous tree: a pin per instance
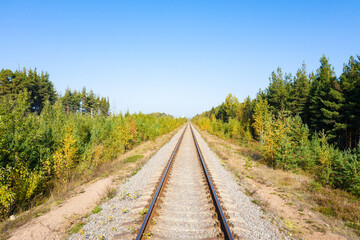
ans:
(325, 101)
(300, 92)
(84, 102)
(307, 114)
(277, 94)
(40, 87)
(350, 83)
(6, 77)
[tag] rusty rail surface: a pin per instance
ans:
(221, 217)
(158, 191)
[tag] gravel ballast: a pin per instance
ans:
(119, 217)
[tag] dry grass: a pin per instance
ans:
(110, 192)
(338, 204)
(330, 209)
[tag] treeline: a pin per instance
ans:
(323, 101)
(39, 86)
(41, 90)
(57, 144)
(85, 102)
(307, 122)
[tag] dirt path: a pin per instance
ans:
(51, 225)
(56, 223)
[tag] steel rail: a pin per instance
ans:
(223, 222)
(153, 202)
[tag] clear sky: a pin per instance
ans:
(179, 57)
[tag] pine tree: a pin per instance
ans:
(6, 77)
(83, 104)
(277, 94)
(40, 87)
(104, 106)
(350, 83)
(325, 101)
(300, 92)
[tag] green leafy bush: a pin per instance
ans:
(59, 145)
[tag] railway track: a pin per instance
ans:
(185, 204)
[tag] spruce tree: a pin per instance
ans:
(300, 92)
(6, 77)
(325, 101)
(350, 83)
(277, 94)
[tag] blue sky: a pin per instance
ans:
(179, 57)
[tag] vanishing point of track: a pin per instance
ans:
(185, 204)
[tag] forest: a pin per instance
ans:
(47, 139)
(307, 122)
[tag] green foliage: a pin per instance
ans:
(96, 209)
(237, 123)
(45, 144)
(85, 102)
(278, 94)
(309, 123)
(355, 226)
(326, 101)
(350, 85)
(261, 118)
(299, 92)
(78, 226)
(228, 109)
(39, 87)
(133, 158)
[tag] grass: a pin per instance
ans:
(96, 209)
(42, 211)
(110, 192)
(136, 171)
(338, 204)
(354, 226)
(290, 225)
(143, 212)
(133, 158)
(248, 163)
(77, 227)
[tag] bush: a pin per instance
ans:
(286, 144)
(36, 150)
